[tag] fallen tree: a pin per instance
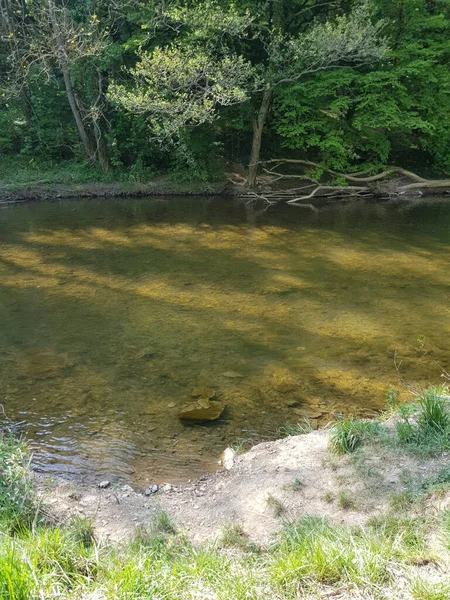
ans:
(391, 182)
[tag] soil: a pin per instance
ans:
(273, 482)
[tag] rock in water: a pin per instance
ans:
(233, 375)
(41, 364)
(201, 392)
(201, 410)
(104, 484)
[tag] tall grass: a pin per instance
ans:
(18, 502)
(425, 425)
(348, 434)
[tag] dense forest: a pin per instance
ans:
(136, 89)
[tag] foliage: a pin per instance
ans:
(305, 426)
(175, 86)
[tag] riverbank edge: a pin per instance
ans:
(57, 191)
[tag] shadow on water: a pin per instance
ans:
(112, 312)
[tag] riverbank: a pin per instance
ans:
(357, 511)
(274, 482)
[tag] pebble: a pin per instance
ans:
(104, 484)
(152, 489)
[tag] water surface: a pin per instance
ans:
(111, 312)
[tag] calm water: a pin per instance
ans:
(111, 312)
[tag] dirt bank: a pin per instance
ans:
(274, 481)
(39, 192)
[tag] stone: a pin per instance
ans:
(75, 495)
(203, 410)
(41, 364)
(308, 413)
(166, 487)
(291, 402)
(151, 489)
(233, 375)
(104, 484)
(203, 392)
(227, 458)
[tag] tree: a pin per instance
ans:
(355, 119)
(43, 38)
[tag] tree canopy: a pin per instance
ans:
(183, 86)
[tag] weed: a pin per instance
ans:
(348, 434)
(296, 485)
(238, 446)
(345, 502)
(328, 497)
(233, 536)
(18, 502)
(401, 501)
(278, 507)
(81, 531)
(425, 590)
(425, 425)
(162, 523)
(299, 429)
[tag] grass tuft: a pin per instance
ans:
(348, 434)
(301, 428)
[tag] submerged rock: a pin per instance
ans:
(233, 375)
(203, 392)
(202, 409)
(41, 364)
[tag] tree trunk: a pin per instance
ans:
(258, 127)
(64, 64)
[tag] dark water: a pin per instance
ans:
(111, 312)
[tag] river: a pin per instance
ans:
(113, 311)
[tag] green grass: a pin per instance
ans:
(424, 426)
(348, 434)
(301, 428)
(277, 506)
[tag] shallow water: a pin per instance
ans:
(111, 312)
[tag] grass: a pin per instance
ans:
(345, 502)
(233, 536)
(301, 428)
(422, 426)
(348, 434)
(278, 507)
